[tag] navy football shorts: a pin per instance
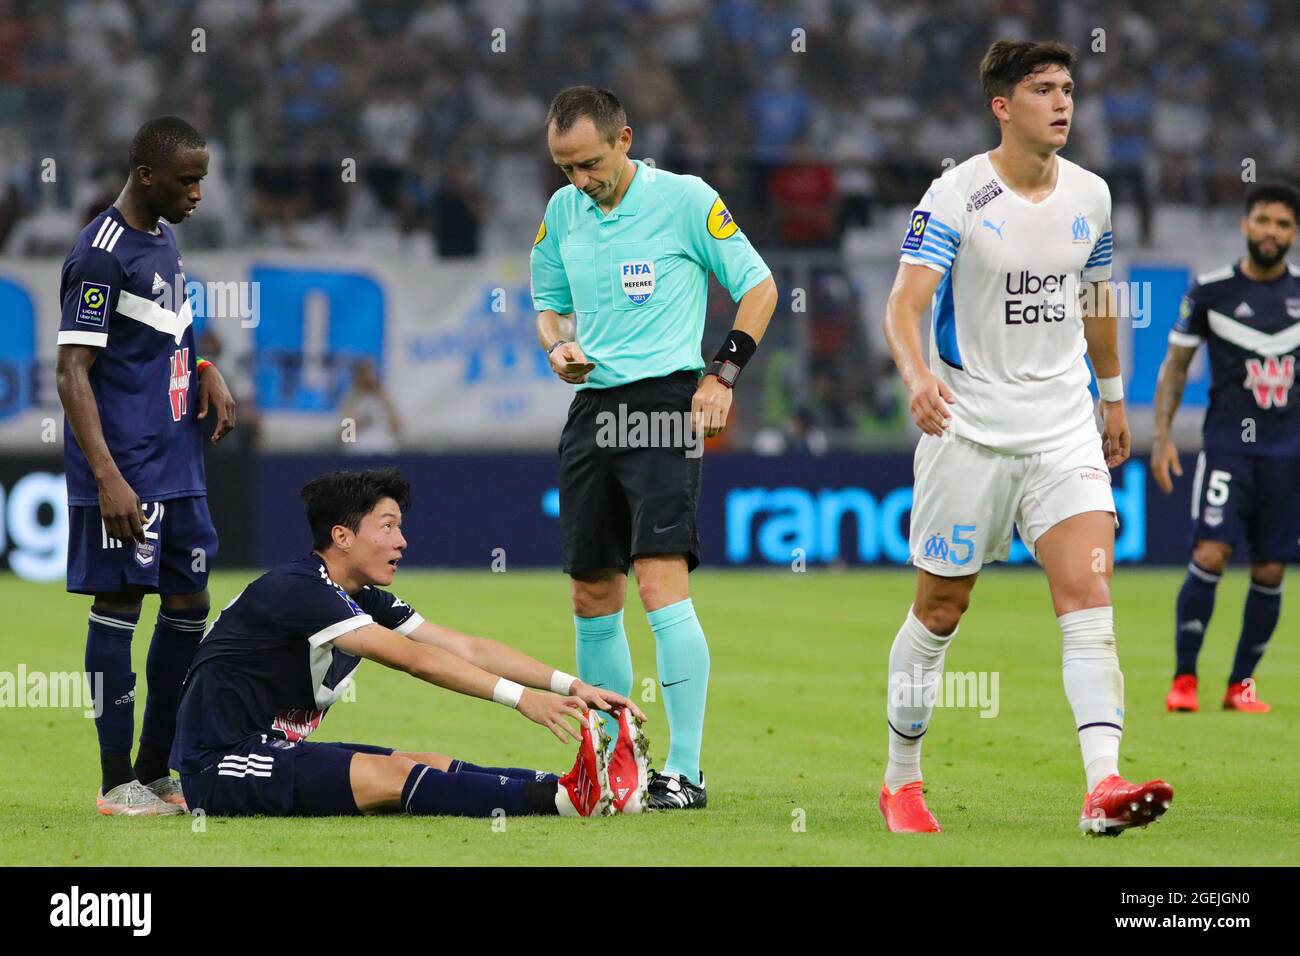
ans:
(180, 544)
(278, 778)
(1248, 499)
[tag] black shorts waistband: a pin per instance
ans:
(685, 377)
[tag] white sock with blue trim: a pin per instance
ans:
(1094, 686)
(915, 672)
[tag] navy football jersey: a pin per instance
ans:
(1252, 332)
(123, 293)
(268, 664)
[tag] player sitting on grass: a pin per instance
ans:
(286, 648)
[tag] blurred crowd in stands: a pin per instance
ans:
(807, 114)
(419, 123)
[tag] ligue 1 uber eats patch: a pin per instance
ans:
(93, 309)
(638, 279)
(916, 231)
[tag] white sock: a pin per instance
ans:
(1095, 688)
(915, 672)
(563, 804)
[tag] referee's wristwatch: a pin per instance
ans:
(725, 372)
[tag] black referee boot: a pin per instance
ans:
(672, 791)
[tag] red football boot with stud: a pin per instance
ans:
(1115, 805)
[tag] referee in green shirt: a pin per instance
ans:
(626, 248)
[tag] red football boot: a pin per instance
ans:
(587, 784)
(905, 811)
(629, 765)
(1182, 696)
(1242, 697)
(1114, 805)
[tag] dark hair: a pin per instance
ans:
(155, 141)
(345, 497)
(1276, 191)
(1007, 62)
(600, 105)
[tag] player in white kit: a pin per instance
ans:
(1012, 250)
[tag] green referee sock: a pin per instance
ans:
(682, 655)
(604, 659)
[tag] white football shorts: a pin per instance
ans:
(967, 496)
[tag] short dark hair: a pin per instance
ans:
(155, 141)
(1276, 191)
(1007, 62)
(345, 497)
(600, 105)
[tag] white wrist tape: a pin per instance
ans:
(1111, 389)
(507, 692)
(562, 683)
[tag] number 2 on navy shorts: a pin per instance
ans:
(179, 545)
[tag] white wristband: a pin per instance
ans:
(562, 683)
(1111, 389)
(507, 692)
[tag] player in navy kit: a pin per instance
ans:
(134, 391)
(287, 647)
(1247, 480)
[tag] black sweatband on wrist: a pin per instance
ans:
(738, 349)
(731, 358)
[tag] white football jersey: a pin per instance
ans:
(1007, 336)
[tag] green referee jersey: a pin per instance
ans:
(637, 279)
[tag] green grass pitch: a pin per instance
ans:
(794, 743)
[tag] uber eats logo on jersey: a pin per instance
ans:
(638, 279)
(1032, 299)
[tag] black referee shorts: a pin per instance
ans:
(629, 475)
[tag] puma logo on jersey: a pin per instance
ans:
(997, 228)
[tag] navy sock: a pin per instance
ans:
(176, 637)
(1194, 608)
(432, 792)
(1263, 606)
(514, 773)
(108, 666)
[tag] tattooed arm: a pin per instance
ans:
(1169, 395)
